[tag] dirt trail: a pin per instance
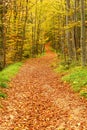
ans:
(38, 100)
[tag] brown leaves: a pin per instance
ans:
(38, 100)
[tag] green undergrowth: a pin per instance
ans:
(41, 55)
(6, 75)
(3, 95)
(75, 75)
(52, 49)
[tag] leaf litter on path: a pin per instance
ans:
(38, 100)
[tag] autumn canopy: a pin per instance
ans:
(27, 25)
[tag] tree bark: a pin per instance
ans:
(4, 33)
(83, 34)
(69, 44)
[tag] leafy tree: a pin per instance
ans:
(26, 26)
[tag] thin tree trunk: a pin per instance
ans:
(4, 33)
(69, 45)
(83, 34)
(1, 35)
(24, 31)
(35, 28)
(76, 31)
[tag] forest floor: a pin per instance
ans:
(39, 100)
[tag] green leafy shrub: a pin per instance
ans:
(83, 93)
(3, 95)
(77, 78)
(3, 85)
(8, 73)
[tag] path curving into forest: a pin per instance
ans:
(39, 100)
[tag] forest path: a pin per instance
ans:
(38, 100)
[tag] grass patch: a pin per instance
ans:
(76, 76)
(3, 95)
(6, 75)
(1, 106)
(3, 85)
(52, 49)
(41, 55)
(83, 93)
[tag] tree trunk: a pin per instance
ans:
(83, 34)
(4, 33)
(69, 44)
(24, 31)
